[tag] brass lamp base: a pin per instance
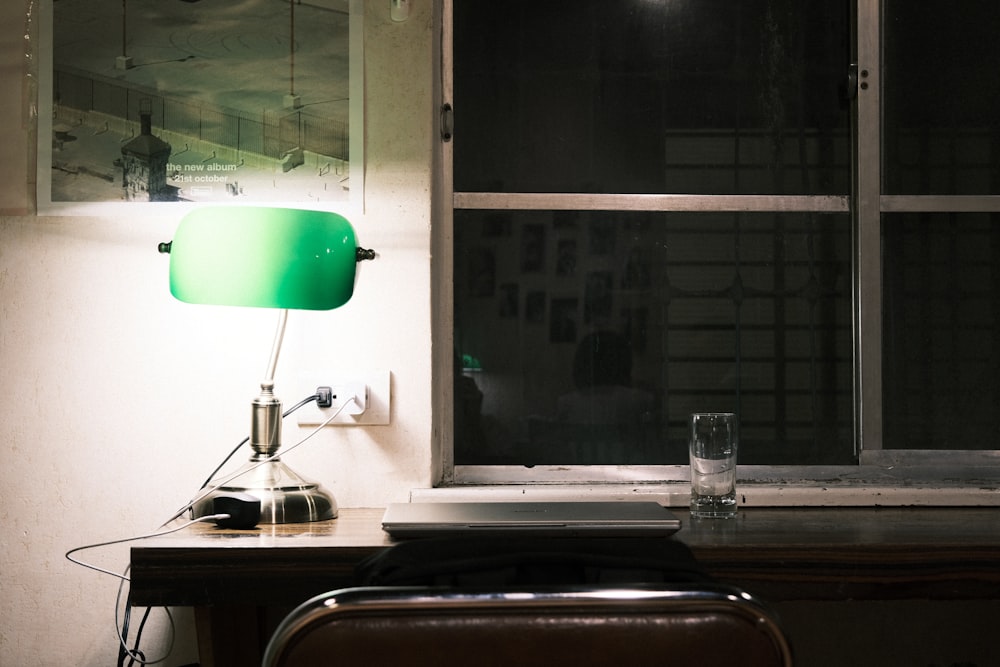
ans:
(285, 497)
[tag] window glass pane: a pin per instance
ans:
(588, 337)
(941, 359)
(708, 97)
(941, 97)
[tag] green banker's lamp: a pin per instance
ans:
(266, 257)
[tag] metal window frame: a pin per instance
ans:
(870, 205)
(866, 203)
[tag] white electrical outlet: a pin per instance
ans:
(369, 388)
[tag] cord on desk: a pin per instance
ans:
(69, 554)
(121, 627)
(210, 488)
(135, 655)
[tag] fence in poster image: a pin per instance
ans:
(78, 97)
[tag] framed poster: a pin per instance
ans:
(166, 103)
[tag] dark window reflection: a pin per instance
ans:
(707, 97)
(628, 322)
(941, 336)
(941, 97)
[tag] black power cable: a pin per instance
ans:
(247, 439)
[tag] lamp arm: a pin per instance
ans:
(279, 335)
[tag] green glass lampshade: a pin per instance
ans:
(265, 257)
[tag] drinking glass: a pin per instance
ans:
(713, 464)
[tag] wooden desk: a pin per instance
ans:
(778, 554)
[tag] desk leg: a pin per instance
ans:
(229, 636)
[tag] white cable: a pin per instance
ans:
(135, 656)
(213, 517)
(69, 554)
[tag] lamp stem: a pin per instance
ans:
(279, 335)
(265, 426)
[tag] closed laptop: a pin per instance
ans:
(583, 518)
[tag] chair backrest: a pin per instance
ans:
(705, 625)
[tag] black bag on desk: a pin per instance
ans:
(513, 561)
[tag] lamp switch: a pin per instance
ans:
(355, 397)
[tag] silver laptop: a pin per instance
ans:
(590, 519)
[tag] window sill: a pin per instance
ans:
(755, 488)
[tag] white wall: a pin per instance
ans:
(119, 400)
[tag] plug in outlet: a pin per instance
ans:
(368, 389)
(350, 399)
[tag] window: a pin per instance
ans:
(669, 207)
(940, 228)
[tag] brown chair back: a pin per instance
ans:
(704, 625)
